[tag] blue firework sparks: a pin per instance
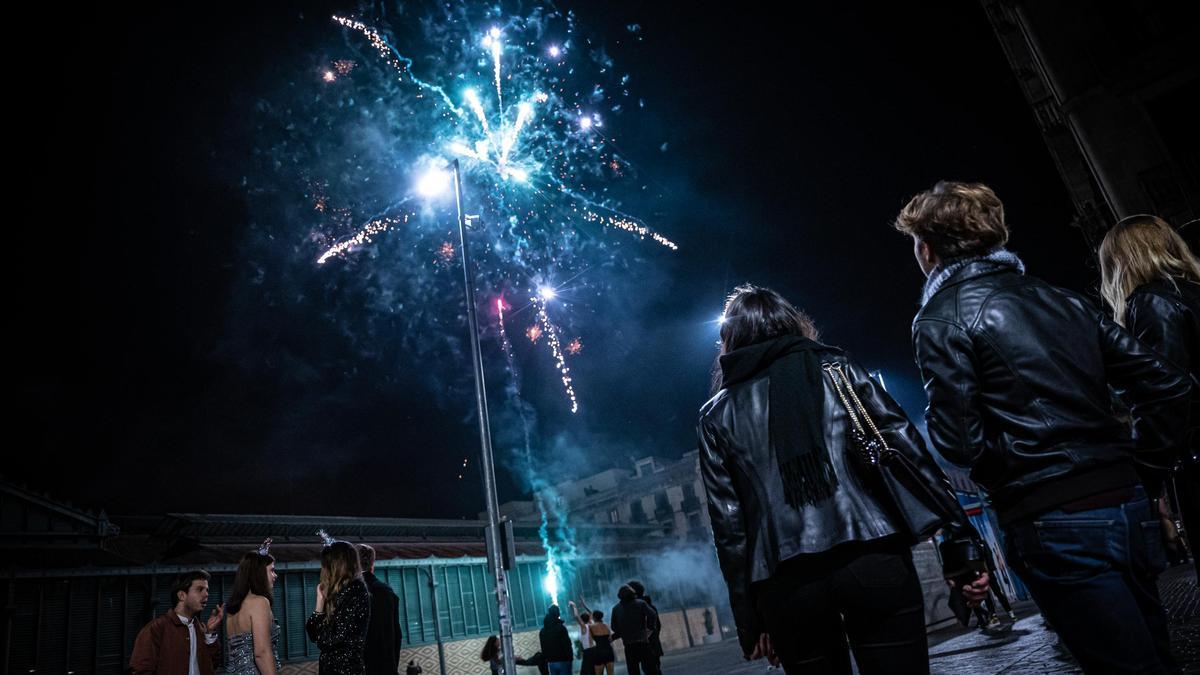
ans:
(510, 96)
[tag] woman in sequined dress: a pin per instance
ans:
(338, 626)
(250, 623)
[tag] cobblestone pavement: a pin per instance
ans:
(1029, 648)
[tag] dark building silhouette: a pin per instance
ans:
(1113, 87)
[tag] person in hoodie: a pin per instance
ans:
(633, 623)
(654, 665)
(556, 643)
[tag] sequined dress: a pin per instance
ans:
(342, 637)
(241, 653)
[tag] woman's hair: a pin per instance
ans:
(251, 578)
(490, 648)
(1138, 250)
(955, 219)
(586, 617)
(597, 615)
(339, 567)
(755, 314)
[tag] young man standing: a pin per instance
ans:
(382, 650)
(1017, 373)
(177, 643)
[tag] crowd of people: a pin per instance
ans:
(1077, 422)
(355, 622)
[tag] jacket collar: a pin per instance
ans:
(954, 272)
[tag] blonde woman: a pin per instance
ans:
(339, 623)
(1151, 280)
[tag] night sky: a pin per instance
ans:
(180, 362)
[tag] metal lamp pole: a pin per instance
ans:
(487, 466)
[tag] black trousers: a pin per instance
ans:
(640, 656)
(860, 596)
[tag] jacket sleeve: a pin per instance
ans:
(396, 620)
(215, 652)
(350, 620)
(1161, 325)
(729, 535)
(946, 359)
(144, 659)
(1156, 392)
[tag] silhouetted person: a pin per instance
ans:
(382, 649)
(632, 623)
(556, 643)
(654, 665)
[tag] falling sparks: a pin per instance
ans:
(628, 225)
(560, 361)
(399, 63)
(446, 252)
(364, 236)
(329, 76)
(534, 333)
(575, 346)
(344, 66)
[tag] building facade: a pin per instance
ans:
(1113, 88)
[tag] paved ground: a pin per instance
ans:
(1028, 649)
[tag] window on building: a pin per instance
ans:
(614, 516)
(637, 512)
(661, 503)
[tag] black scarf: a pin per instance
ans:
(797, 411)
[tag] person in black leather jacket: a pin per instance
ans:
(1151, 281)
(810, 555)
(1017, 373)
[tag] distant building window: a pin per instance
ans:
(637, 513)
(614, 516)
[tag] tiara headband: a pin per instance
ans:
(325, 538)
(265, 547)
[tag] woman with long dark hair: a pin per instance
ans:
(491, 654)
(813, 555)
(339, 623)
(1150, 279)
(250, 624)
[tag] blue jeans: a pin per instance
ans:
(560, 668)
(1093, 575)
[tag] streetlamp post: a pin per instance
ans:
(486, 464)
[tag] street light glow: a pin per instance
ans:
(433, 182)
